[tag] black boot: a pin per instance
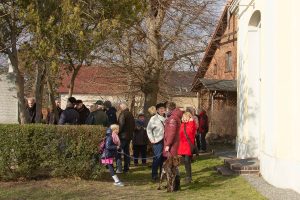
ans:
(177, 183)
(188, 169)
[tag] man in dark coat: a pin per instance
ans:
(171, 137)
(98, 117)
(127, 125)
(31, 109)
(69, 115)
(110, 112)
(83, 111)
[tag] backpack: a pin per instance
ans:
(101, 147)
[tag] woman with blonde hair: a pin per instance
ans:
(187, 142)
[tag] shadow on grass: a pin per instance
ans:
(204, 175)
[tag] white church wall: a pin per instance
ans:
(279, 137)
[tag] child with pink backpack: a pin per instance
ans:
(112, 144)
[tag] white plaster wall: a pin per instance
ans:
(279, 149)
(8, 101)
(248, 86)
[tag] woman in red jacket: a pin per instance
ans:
(186, 142)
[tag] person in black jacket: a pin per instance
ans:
(110, 112)
(98, 117)
(31, 109)
(112, 144)
(140, 140)
(69, 115)
(83, 111)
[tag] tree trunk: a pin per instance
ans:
(53, 109)
(150, 90)
(72, 81)
(39, 90)
(13, 57)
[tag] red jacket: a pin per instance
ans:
(171, 137)
(203, 122)
(184, 147)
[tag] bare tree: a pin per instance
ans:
(172, 35)
(11, 29)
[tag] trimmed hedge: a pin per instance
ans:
(34, 151)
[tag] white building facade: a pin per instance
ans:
(8, 98)
(268, 85)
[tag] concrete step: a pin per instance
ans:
(243, 166)
(225, 171)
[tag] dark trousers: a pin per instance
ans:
(188, 166)
(157, 159)
(139, 150)
(203, 141)
(198, 141)
(125, 149)
(111, 169)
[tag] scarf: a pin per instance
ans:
(116, 139)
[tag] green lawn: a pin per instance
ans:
(207, 184)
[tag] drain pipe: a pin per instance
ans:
(212, 107)
(212, 101)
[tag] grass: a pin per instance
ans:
(207, 184)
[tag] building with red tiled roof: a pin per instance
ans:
(111, 83)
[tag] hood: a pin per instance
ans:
(112, 109)
(176, 112)
(202, 113)
(140, 123)
(108, 132)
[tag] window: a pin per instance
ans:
(215, 69)
(228, 62)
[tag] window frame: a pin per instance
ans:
(228, 62)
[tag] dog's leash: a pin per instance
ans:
(147, 158)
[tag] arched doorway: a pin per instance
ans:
(248, 140)
(254, 84)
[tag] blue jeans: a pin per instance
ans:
(157, 159)
(125, 148)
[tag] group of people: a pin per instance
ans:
(171, 132)
(76, 113)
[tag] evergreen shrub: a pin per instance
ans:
(39, 151)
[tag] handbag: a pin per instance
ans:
(194, 149)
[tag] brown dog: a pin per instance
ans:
(169, 170)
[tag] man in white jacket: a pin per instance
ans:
(155, 132)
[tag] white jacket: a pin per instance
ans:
(156, 128)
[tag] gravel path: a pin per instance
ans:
(269, 191)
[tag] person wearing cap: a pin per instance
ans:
(69, 115)
(140, 140)
(110, 112)
(155, 132)
(98, 117)
(83, 111)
